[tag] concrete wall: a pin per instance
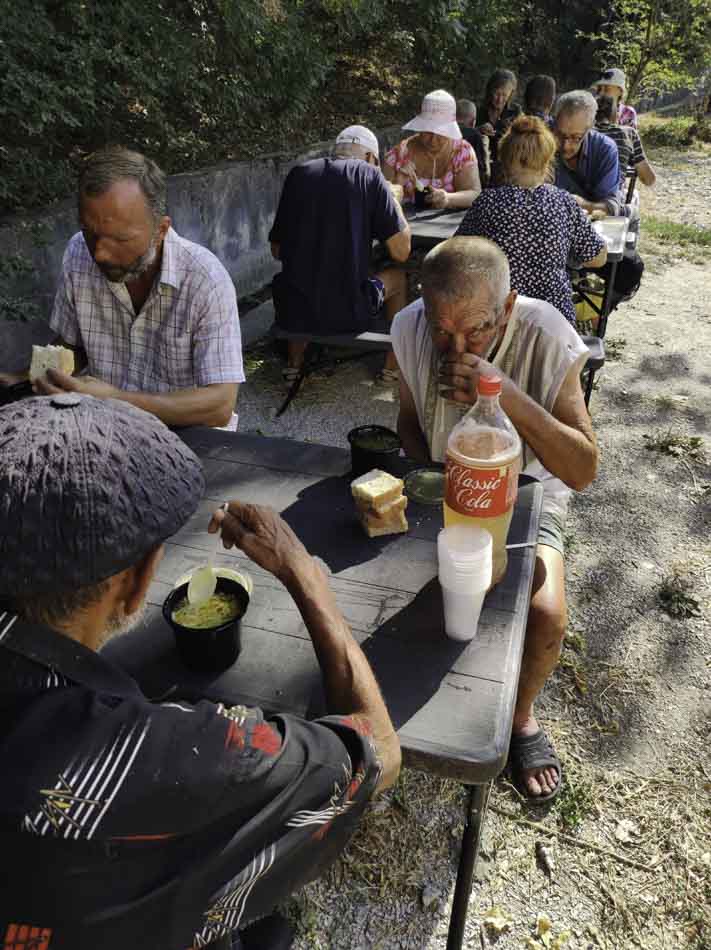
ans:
(228, 208)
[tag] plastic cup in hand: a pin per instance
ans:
(465, 562)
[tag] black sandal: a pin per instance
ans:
(533, 752)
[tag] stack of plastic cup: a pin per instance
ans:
(464, 554)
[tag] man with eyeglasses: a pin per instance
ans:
(470, 322)
(588, 163)
(588, 166)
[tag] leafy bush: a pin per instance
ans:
(678, 132)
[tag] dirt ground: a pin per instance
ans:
(628, 708)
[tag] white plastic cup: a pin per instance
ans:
(461, 612)
(465, 565)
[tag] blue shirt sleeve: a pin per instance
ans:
(605, 169)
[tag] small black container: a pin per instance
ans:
(374, 447)
(213, 649)
(421, 197)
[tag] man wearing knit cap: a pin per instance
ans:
(330, 212)
(127, 823)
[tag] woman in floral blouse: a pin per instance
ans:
(436, 159)
(539, 227)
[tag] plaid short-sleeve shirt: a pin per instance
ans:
(186, 335)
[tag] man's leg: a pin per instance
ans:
(296, 354)
(395, 288)
(547, 619)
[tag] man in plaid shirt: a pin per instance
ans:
(152, 317)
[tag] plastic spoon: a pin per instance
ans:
(203, 582)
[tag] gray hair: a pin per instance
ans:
(350, 150)
(57, 607)
(458, 268)
(104, 168)
(465, 109)
(579, 100)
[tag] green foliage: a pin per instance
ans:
(661, 44)
(672, 232)
(574, 804)
(202, 81)
(679, 132)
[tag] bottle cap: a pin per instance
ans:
(489, 385)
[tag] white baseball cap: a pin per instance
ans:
(438, 114)
(358, 135)
(612, 77)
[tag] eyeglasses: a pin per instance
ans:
(573, 139)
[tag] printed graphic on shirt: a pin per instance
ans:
(246, 731)
(225, 913)
(27, 937)
(84, 791)
(7, 620)
(337, 805)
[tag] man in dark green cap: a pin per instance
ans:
(126, 823)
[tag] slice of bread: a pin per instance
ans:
(376, 489)
(50, 357)
(382, 511)
(394, 522)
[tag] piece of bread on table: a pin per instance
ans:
(376, 489)
(394, 522)
(50, 357)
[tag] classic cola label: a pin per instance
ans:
(481, 492)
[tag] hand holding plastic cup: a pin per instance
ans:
(465, 564)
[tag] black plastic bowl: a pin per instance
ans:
(365, 455)
(213, 649)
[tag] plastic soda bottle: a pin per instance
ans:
(482, 467)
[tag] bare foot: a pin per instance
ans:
(538, 781)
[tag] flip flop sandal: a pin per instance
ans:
(533, 752)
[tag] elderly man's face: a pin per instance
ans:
(570, 131)
(469, 325)
(120, 231)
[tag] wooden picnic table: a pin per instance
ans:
(452, 703)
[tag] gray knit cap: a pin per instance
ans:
(87, 487)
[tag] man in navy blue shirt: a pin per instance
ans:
(330, 212)
(588, 164)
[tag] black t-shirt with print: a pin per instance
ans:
(126, 823)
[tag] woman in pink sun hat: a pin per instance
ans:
(436, 158)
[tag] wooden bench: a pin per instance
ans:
(360, 345)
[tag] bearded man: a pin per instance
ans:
(151, 317)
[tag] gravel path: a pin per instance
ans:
(629, 706)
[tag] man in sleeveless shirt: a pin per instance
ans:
(467, 323)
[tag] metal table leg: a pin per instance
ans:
(607, 300)
(471, 839)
